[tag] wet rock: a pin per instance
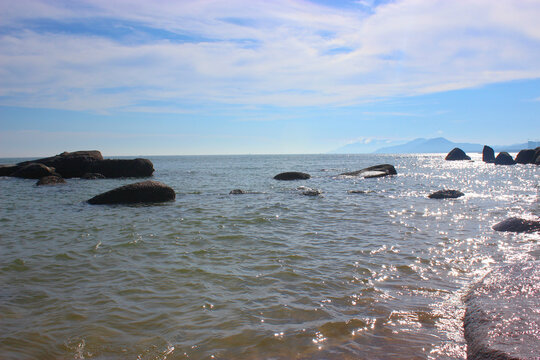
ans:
(309, 191)
(488, 155)
(78, 163)
(373, 171)
(292, 175)
(446, 194)
(501, 318)
(141, 192)
(357, 192)
(504, 158)
(92, 176)
(50, 180)
(237, 192)
(7, 170)
(34, 171)
(526, 157)
(457, 154)
(517, 225)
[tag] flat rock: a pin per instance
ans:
(7, 170)
(50, 180)
(373, 171)
(34, 171)
(292, 175)
(502, 320)
(517, 225)
(446, 194)
(116, 168)
(237, 192)
(457, 154)
(141, 192)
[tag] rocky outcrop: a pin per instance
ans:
(141, 192)
(488, 155)
(33, 171)
(50, 180)
(501, 318)
(7, 170)
(373, 171)
(446, 194)
(526, 157)
(517, 225)
(457, 154)
(504, 158)
(79, 163)
(292, 175)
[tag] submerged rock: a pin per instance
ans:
(488, 155)
(526, 157)
(309, 191)
(504, 158)
(141, 192)
(518, 225)
(33, 171)
(92, 176)
(446, 194)
(457, 154)
(50, 180)
(373, 171)
(237, 192)
(501, 318)
(292, 175)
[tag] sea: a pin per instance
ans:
(369, 269)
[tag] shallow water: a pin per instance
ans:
(271, 274)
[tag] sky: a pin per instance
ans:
(190, 77)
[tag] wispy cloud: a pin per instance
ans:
(177, 55)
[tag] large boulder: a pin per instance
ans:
(373, 171)
(115, 168)
(50, 180)
(142, 192)
(457, 154)
(33, 171)
(7, 170)
(526, 157)
(517, 225)
(79, 163)
(502, 320)
(537, 156)
(446, 194)
(504, 158)
(292, 175)
(488, 155)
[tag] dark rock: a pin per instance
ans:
(526, 156)
(504, 158)
(34, 171)
(357, 192)
(78, 163)
(537, 156)
(237, 192)
(518, 225)
(501, 318)
(7, 170)
(374, 171)
(292, 175)
(141, 192)
(50, 180)
(457, 154)
(92, 176)
(488, 155)
(116, 168)
(309, 191)
(446, 194)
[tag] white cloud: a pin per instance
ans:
(280, 53)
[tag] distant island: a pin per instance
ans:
(433, 145)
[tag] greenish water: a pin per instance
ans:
(272, 274)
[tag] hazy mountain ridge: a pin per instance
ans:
(433, 145)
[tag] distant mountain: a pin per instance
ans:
(435, 145)
(421, 145)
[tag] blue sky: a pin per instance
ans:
(235, 77)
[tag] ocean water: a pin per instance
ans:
(272, 274)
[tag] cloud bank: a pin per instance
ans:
(184, 56)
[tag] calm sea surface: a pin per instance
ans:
(272, 274)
